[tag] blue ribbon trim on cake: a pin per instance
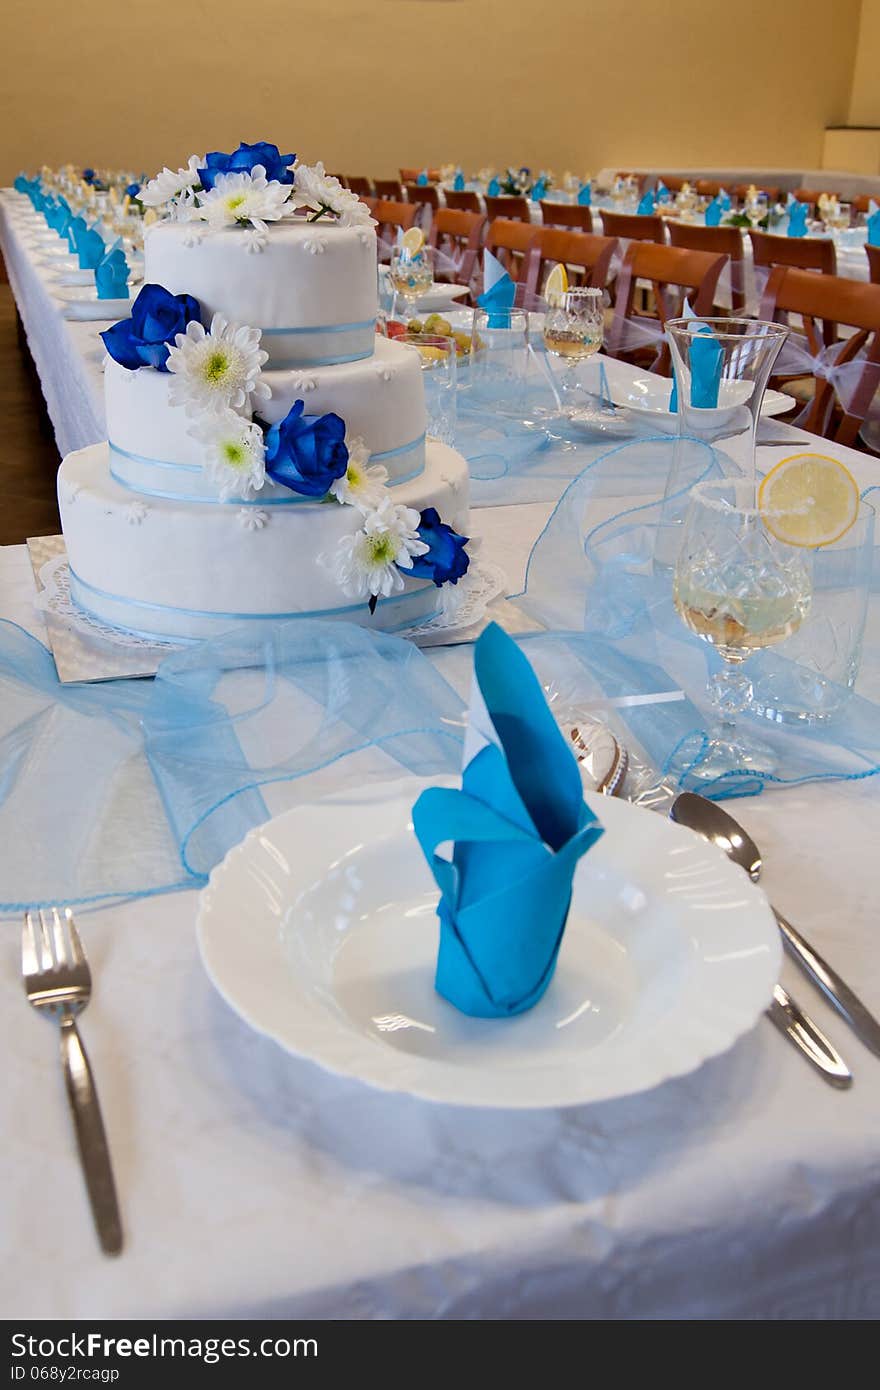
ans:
(364, 349)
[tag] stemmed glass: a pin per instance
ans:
(739, 588)
(411, 275)
(574, 326)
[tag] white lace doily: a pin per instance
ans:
(464, 605)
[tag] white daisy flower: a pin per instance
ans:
(243, 197)
(218, 369)
(319, 191)
(234, 455)
(168, 184)
(369, 563)
(360, 486)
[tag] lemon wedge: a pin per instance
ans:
(413, 241)
(809, 500)
(556, 286)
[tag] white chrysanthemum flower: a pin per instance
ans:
(369, 563)
(319, 191)
(168, 184)
(360, 486)
(218, 369)
(255, 518)
(243, 197)
(234, 454)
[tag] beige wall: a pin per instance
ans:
(370, 84)
(864, 106)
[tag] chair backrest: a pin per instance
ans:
(424, 194)
(873, 254)
(391, 189)
(586, 257)
(390, 216)
(674, 182)
(633, 227)
(508, 206)
(724, 241)
(675, 274)
(463, 200)
(458, 235)
(822, 302)
(567, 215)
(411, 175)
(804, 253)
(741, 189)
(862, 201)
(511, 241)
(358, 184)
(709, 188)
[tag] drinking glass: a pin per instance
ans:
(499, 359)
(411, 275)
(824, 656)
(740, 589)
(574, 326)
(439, 376)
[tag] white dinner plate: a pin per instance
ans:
(82, 302)
(320, 930)
(648, 396)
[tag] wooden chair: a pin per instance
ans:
(822, 302)
(509, 207)
(359, 185)
(674, 182)
(741, 189)
(709, 188)
(390, 189)
(862, 202)
(425, 199)
(675, 274)
(411, 175)
(631, 227)
(804, 253)
(511, 242)
(587, 258)
(463, 200)
(391, 216)
(724, 241)
(873, 254)
(458, 235)
(570, 215)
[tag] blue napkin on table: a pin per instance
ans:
(499, 292)
(539, 190)
(873, 225)
(724, 200)
(21, 184)
(75, 227)
(111, 275)
(714, 213)
(62, 218)
(585, 194)
(494, 188)
(797, 218)
(518, 826)
(647, 205)
(663, 194)
(89, 248)
(458, 182)
(422, 178)
(706, 363)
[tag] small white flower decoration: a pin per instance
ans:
(305, 384)
(317, 190)
(244, 197)
(369, 562)
(255, 240)
(253, 518)
(234, 453)
(384, 372)
(71, 492)
(169, 185)
(135, 513)
(365, 238)
(360, 486)
(315, 245)
(218, 369)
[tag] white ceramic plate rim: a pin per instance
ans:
(229, 906)
(774, 402)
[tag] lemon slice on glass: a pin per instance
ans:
(809, 500)
(413, 241)
(556, 286)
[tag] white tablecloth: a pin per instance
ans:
(253, 1184)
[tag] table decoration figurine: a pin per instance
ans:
(519, 825)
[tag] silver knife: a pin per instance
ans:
(836, 991)
(802, 1031)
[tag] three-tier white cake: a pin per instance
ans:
(178, 525)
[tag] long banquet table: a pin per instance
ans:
(254, 1184)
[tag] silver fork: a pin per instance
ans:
(57, 979)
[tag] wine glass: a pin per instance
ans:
(411, 275)
(574, 326)
(739, 588)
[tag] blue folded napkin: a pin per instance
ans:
(724, 200)
(422, 178)
(714, 213)
(706, 364)
(539, 190)
(499, 292)
(62, 218)
(663, 194)
(797, 218)
(585, 194)
(874, 228)
(75, 227)
(111, 275)
(89, 248)
(494, 188)
(458, 182)
(647, 205)
(518, 826)
(21, 184)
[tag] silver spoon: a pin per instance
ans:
(715, 824)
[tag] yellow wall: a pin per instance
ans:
(371, 84)
(864, 106)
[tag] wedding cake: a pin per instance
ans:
(266, 454)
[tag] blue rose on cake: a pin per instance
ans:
(307, 453)
(446, 560)
(277, 166)
(156, 318)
